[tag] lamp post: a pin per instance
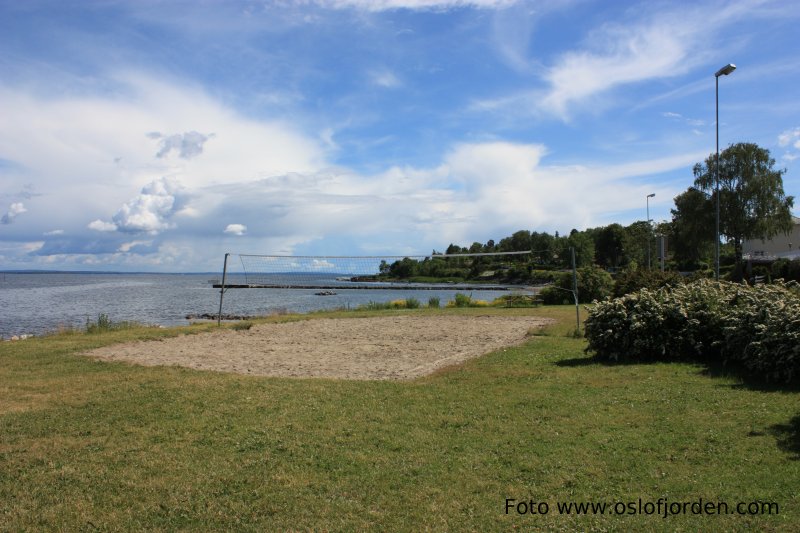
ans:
(649, 228)
(724, 71)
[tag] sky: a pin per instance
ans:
(155, 135)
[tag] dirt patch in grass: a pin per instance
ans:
(389, 348)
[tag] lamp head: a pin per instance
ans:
(724, 71)
(651, 195)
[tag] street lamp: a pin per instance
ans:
(724, 71)
(649, 228)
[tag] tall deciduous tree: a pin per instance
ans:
(610, 243)
(692, 228)
(752, 202)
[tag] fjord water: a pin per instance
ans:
(42, 302)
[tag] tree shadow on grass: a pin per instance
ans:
(745, 378)
(579, 361)
(788, 437)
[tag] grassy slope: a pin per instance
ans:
(86, 444)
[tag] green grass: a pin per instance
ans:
(93, 445)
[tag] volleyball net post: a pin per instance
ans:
(222, 288)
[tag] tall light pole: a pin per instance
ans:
(649, 228)
(724, 71)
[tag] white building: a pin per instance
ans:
(781, 245)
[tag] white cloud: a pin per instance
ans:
(620, 55)
(790, 137)
(99, 225)
(53, 232)
(662, 44)
(187, 145)
(321, 264)
(385, 78)
(14, 210)
(128, 246)
(273, 181)
(477, 191)
(680, 118)
(235, 229)
(153, 208)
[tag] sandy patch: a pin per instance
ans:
(396, 347)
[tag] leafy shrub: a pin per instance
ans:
(433, 302)
(462, 300)
(757, 328)
(242, 326)
(412, 303)
(633, 280)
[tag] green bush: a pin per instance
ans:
(433, 302)
(757, 328)
(412, 303)
(462, 300)
(633, 280)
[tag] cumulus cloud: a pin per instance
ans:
(150, 211)
(477, 191)
(53, 232)
(187, 145)
(99, 225)
(14, 210)
(235, 229)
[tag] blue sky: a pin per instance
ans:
(157, 135)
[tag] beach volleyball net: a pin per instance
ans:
(330, 275)
(479, 271)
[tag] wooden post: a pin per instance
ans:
(575, 292)
(222, 289)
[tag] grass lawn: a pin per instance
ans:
(92, 445)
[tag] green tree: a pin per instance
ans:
(691, 234)
(544, 248)
(610, 242)
(584, 248)
(752, 202)
(638, 237)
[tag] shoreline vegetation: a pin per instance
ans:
(86, 444)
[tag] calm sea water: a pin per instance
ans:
(36, 303)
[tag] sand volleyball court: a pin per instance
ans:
(392, 347)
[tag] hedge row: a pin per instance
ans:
(755, 327)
